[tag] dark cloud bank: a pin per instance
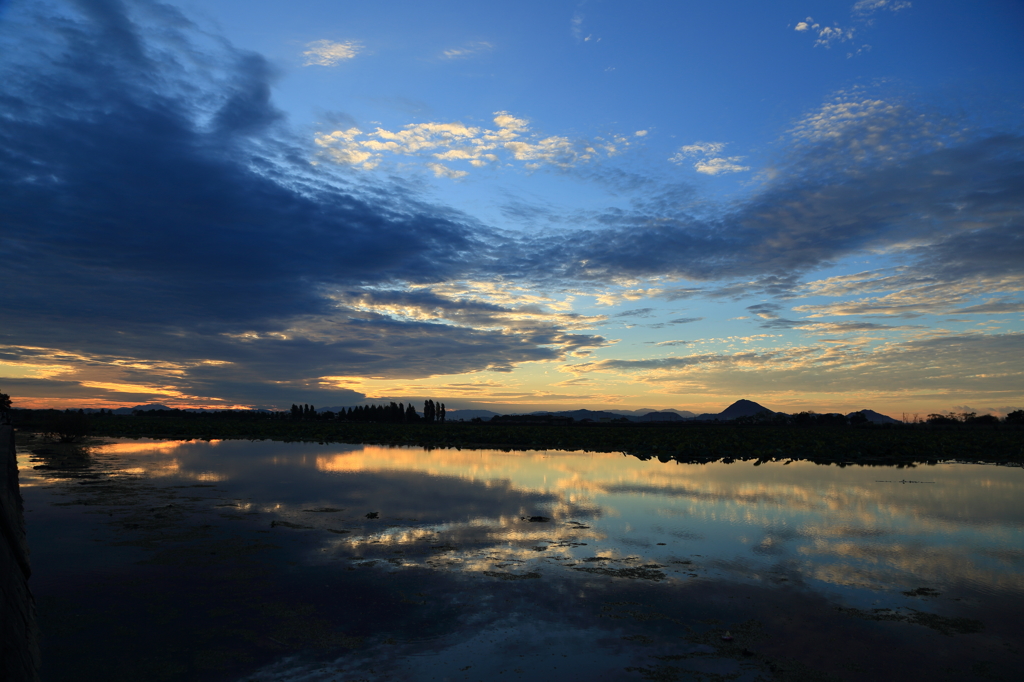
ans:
(156, 205)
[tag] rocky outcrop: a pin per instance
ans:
(19, 638)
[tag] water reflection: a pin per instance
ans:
(868, 531)
(401, 563)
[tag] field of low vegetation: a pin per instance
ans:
(825, 440)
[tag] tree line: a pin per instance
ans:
(396, 413)
(860, 419)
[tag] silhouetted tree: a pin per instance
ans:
(804, 419)
(5, 408)
(441, 413)
(858, 418)
(67, 427)
(832, 419)
(410, 414)
(1015, 417)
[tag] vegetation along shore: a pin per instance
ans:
(824, 440)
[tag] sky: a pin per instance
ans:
(543, 205)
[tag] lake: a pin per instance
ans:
(237, 560)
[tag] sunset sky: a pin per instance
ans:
(513, 206)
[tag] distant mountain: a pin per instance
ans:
(876, 418)
(129, 410)
(580, 415)
(660, 417)
(740, 408)
(468, 415)
(685, 414)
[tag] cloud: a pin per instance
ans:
(780, 323)
(860, 12)
(708, 164)
(913, 292)
(676, 342)
(173, 240)
(442, 171)
(327, 53)
(386, 334)
(826, 34)
(467, 50)
(942, 367)
(859, 175)
(993, 306)
(866, 7)
(718, 166)
(576, 28)
(701, 149)
(510, 141)
(168, 237)
(765, 311)
(853, 327)
(638, 312)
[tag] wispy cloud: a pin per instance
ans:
(867, 7)
(638, 312)
(577, 30)
(912, 292)
(706, 162)
(839, 369)
(860, 174)
(834, 328)
(328, 53)
(467, 50)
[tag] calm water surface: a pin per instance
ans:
(298, 561)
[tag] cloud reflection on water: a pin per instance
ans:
(880, 529)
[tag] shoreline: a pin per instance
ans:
(691, 443)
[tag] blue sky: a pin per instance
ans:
(552, 205)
